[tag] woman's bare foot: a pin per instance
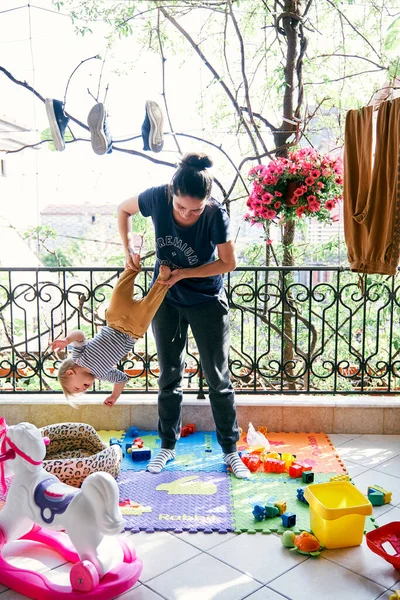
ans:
(165, 273)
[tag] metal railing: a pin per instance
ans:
(314, 330)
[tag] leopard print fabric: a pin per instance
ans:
(76, 450)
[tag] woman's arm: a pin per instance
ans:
(225, 263)
(124, 212)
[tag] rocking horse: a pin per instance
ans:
(39, 507)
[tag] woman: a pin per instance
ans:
(189, 227)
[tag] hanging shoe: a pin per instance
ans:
(152, 128)
(58, 122)
(99, 132)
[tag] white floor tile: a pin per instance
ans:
(262, 557)
(338, 439)
(370, 450)
(203, 578)
(386, 595)
(160, 552)
(354, 469)
(393, 514)
(265, 593)
(321, 578)
(364, 562)
(374, 477)
(391, 467)
(139, 592)
(204, 541)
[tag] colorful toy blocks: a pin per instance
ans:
(115, 442)
(252, 461)
(378, 495)
(281, 506)
(288, 519)
(300, 495)
(307, 477)
(140, 454)
(272, 465)
(295, 470)
(188, 429)
(340, 478)
(132, 432)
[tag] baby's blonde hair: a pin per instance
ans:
(65, 366)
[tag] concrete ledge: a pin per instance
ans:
(330, 414)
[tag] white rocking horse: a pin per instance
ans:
(105, 566)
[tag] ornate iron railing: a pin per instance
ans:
(343, 337)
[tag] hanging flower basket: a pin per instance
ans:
(306, 184)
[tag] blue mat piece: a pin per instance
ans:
(191, 453)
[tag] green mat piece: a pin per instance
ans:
(273, 487)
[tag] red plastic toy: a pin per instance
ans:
(252, 461)
(389, 533)
(188, 429)
(273, 465)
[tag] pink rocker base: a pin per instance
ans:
(85, 583)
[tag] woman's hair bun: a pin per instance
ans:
(197, 160)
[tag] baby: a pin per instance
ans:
(127, 320)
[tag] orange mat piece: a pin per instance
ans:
(313, 450)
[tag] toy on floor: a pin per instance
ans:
(138, 450)
(38, 506)
(378, 496)
(288, 519)
(304, 543)
(395, 596)
(385, 542)
(265, 512)
(188, 429)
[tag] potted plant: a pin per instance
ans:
(306, 184)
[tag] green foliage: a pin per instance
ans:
(392, 40)
(46, 136)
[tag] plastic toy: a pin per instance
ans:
(132, 432)
(114, 442)
(386, 538)
(252, 461)
(288, 519)
(307, 477)
(304, 543)
(340, 478)
(300, 495)
(140, 453)
(378, 496)
(273, 465)
(265, 512)
(281, 506)
(395, 596)
(295, 470)
(38, 506)
(188, 429)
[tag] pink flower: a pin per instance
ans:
(300, 211)
(315, 173)
(277, 204)
(330, 204)
(268, 242)
(309, 181)
(278, 194)
(294, 200)
(311, 198)
(314, 206)
(335, 218)
(267, 198)
(339, 180)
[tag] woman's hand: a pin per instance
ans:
(176, 276)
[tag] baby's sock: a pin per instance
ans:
(157, 464)
(238, 467)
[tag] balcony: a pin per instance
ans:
(312, 348)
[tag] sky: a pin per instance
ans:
(37, 44)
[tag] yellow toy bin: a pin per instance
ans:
(337, 513)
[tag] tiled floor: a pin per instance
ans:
(257, 567)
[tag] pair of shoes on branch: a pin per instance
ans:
(152, 127)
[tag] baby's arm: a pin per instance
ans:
(74, 336)
(117, 389)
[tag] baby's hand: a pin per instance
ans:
(59, 344)
(110, 401)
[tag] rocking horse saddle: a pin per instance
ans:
(53, 498)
